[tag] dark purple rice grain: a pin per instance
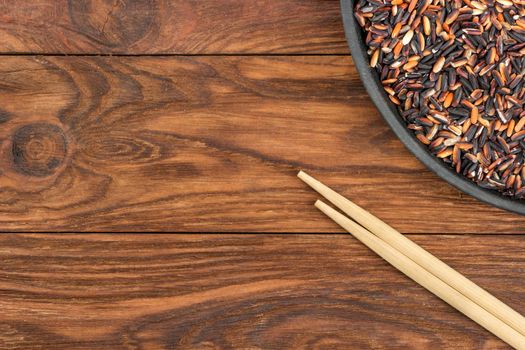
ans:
(455, 69)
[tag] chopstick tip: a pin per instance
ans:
(304, 176)
(319, 204)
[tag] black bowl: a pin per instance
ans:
(369, 76)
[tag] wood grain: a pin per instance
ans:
(171, 27)
(239, 291)
(207, 144)
(213, 143)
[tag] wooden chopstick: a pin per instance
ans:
(427, 280)
(420, 256)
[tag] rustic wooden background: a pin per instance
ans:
(194, 116)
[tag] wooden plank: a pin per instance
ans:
(239, 291)
(207, 144)
(171, 27)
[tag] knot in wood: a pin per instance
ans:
(38, 149)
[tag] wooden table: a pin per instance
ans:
(136, 116)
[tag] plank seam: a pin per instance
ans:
(249, 233)
(23, 54)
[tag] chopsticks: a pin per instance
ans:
(423, 267)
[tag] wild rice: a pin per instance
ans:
(455, 69)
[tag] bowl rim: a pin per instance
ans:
(370, 80)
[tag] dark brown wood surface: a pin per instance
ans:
(195, 116)
(239, 291)
(208, 144)
(171, 27)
